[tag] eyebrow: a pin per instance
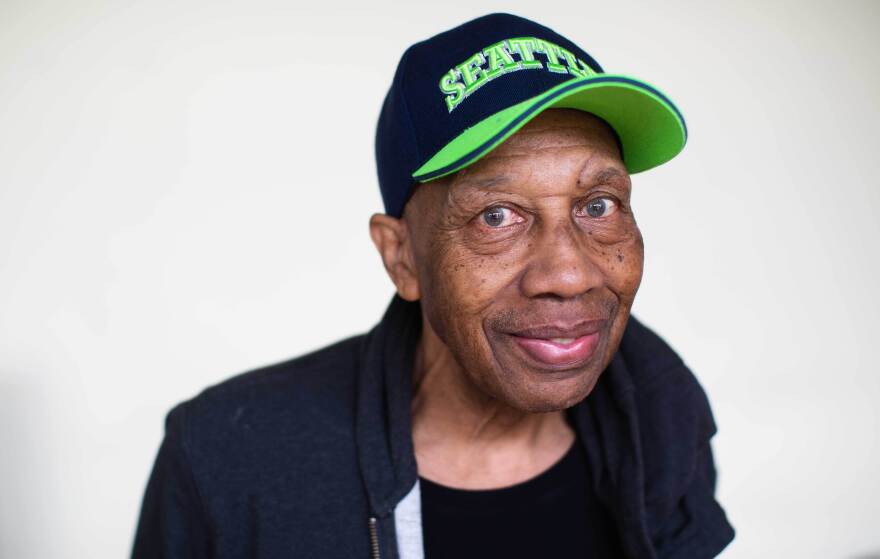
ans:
(604, 175)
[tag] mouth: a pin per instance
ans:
(560, 346)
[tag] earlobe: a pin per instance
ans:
(391, 238)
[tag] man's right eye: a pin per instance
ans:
(497, 216)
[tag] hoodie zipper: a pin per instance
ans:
(374, 537)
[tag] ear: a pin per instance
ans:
(392, 239)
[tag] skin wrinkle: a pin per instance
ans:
(462, 190)
(483, 415)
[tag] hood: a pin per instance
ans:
(383, 429)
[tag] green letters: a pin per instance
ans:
(497, 60)
(525, 46)
(500, 61)
(586, 70)
(472, 72)
(549, 50)
(572, 61)
(453, 88)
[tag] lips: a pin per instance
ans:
(560, 345)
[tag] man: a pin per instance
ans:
(507, 404)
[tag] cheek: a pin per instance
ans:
(623, 264)
(627, 265)
(473, 281)
(621, 257)
(459, 292)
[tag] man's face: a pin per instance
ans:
(528, 260)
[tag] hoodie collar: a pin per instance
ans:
(608, 427)
(383, 429)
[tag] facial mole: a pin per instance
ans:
(619, 257)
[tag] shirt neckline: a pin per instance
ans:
(553, 482)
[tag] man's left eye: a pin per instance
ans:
(599, 207)
(498, 216)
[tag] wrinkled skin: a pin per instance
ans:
(541, 259)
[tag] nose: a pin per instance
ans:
(561, 265)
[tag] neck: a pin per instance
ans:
(466, 438)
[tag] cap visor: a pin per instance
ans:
(651, 128)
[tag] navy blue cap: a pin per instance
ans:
(459, 94)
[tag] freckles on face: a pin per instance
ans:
(531, 260)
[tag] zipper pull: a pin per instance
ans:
(374, 537)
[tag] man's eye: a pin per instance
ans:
(600, 207)
(498, 216)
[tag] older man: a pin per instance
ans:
(507, 404)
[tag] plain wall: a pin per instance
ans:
(184, 195)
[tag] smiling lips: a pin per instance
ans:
(561, 346)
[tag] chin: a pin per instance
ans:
(550, 393)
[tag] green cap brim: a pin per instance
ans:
(650, 127)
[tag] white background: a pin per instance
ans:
(184, 195)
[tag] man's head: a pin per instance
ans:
(526, 262)
(504, 152)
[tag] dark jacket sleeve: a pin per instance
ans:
(172, 521)
(708, 531)
(696, 527)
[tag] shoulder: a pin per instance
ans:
(268, 445)
(311, 378)
(300, 403)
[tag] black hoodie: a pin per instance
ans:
(312, 457)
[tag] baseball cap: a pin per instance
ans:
(459, 94)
